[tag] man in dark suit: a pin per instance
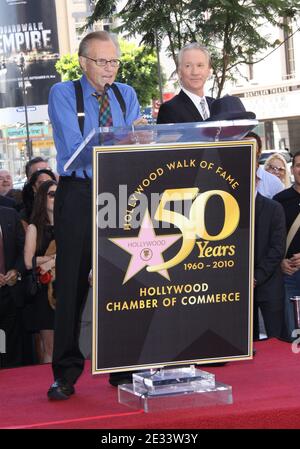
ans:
(190, 105)
(270, 239)
(7, 202)
(11, 268)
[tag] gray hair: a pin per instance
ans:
(103, 36)
(193, 46)
(287, 181)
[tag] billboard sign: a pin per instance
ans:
(28, 29)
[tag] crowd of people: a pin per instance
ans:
(46, 228)
(29, 330)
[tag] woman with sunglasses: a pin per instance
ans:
(39, 238)
(276, 165)
(29, 191)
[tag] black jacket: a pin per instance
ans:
(13, 242)
(270, 241)
(7, 202)
(180, 109)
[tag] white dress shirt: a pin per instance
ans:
(196, 100)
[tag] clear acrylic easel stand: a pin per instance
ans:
(173, 388)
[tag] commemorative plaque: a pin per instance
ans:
(173, 221)
(173, 253)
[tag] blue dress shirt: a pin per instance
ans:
(63, 116)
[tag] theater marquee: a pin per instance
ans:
(173, 253)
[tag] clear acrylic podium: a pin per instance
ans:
(180, 132)
(168, 387)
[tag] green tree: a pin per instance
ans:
(232, 29)
(235, 31)
(138, 69)
(68, 67)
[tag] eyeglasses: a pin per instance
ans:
(51, 194)
(276, 169)
(103, 62)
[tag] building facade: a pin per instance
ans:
(271, 89)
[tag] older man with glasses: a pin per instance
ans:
(106, 103)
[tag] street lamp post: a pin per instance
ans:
(28, 141)
(160, 83)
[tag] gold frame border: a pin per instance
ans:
(172, 146)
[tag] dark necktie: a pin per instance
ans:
(2, 258)
(105, 118)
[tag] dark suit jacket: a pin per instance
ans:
(180, 109)
(270, 241)
(7, 202)
(13, 241)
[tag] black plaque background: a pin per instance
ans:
(175, 334)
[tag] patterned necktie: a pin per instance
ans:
(2, 259)
(203, 109)
(105, 118)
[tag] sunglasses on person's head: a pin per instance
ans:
(51, 193)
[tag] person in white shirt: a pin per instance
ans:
(268, 185)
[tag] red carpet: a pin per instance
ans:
(266, 395)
